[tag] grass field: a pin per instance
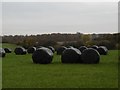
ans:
(0, 73)
(20, 72)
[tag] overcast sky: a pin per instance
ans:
(59, 17)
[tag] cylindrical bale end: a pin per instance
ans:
(31, 50)
(20, 51)
(102, 50)
(90, 56)
(42, 56)
(51, 48)
(82, 48)
(71, 55)
(60, 50)
(7, 50)
(2, 52)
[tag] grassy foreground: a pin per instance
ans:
(0, 73)
(18, 71)
(0, 70)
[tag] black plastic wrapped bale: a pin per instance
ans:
(51, 48)
(2, 52)
(31, 49)
(42, 56)
(102, 50)
(20, 51)
(90, 56)
(71, 55)
(95, 47)
(82, 48)
(60, 50)
(7, 50)
(70, 47)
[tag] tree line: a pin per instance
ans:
(111, 41)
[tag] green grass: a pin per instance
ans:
(0, 73)
(12, 46)
(20, 72)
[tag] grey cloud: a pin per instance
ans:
(34, 18)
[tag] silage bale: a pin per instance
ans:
(51, 48)
(31, 49)
(71, 55)
(102, 50)
(42, 56)
(82, 48)
(60, 50)
(2, 52)
(94, 47)
(90, 56)
(20, 51)
(7, 50)
(70, 47)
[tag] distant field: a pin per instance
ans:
(12, 46)
(20, 72)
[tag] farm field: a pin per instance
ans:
(0, 73)
(18, 71)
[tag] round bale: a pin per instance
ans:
(51, 48)
(71, 55)
(42, 56)
(2, 52)
(94, 47)
(70, 47)
(60, 50)
(82, 48)
(90, 56)
(7, 50)
(20, 51)
(102, 50)
(31, 49)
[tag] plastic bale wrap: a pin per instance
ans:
(102, 50)
(2, 52)
(20, 51)
(82, 48)
(31, 49)
(90, 56)
(42, 56)
(7, 50)
(71, 55)
(94, 47)
(70, 47)
(60, 50)
(51, 48)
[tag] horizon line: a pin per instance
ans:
(56, 33)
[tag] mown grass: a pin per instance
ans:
(11, 46)
(21, 72)
(0, 69)
(0, 73)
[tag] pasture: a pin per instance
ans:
(18, 71)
